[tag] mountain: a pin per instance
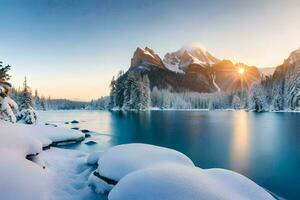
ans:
(228, 77)
(224, 73)
(192, 69)
(181, 60)
(146, 58)
(146, 61)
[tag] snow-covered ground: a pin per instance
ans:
(68, 173)
(142, 171)
(27, 172)
(177, 182)
(131, 171)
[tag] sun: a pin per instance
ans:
(241, 70)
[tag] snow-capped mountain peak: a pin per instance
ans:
(179, 60)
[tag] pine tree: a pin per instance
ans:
(257, 98)
(26, 114)
(135, 92)
(278, 97)
(26, 101)
(112, 95)
(127, 92)
(37, 101)
(145, 100)
(155, 100)
(7, 105)
(119, 90)
(236, 102)
(4, 76)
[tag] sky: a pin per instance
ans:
(72, 48)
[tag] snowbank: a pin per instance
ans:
(68, 174)
(52, 174)
(120, 160)
(16, 141)
(93, 158)
(21, 178)
(177, 182)
(15, 170)
(99, 185)
(45, 134)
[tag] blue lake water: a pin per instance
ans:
(262, 146)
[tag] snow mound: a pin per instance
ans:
(121, 160)
(16, 141)
(21, 178)
(93, 158)
(15, 170)
(45, 134)
(98, 185)
(178, 182)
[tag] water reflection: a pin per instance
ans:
(240, 142)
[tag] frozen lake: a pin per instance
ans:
(263, 146)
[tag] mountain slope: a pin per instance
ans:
(147, 62)
(179, 61)
(192, 69)
(287, 78)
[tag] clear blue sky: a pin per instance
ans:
(72, 48)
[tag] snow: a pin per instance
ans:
(6, 107)
(16, 141)
(176, 182)
(68, 174)
(45, 134)
(51, 174)
(16, 171)
(21, 178)
(135, 156)
(98, 185)
(174, 68)
(215, 84)
(27, 116)
(93, 158)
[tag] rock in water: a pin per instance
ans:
(90, 143)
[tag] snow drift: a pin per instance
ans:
(47, 135)
(178, 182)
(120, 160)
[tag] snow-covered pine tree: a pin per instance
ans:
(257, 99)
(7, 105)
(26, 114)
(4, 76)
(37, 101)
(135, 92)
(145, 100)
(26, 100)
(278, 96)
(155, 98)
(292, 81)
(236, 102)
(43, 103)
(112, 95)
(119, 90)
(127, 91)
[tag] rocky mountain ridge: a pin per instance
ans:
(192, 69)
